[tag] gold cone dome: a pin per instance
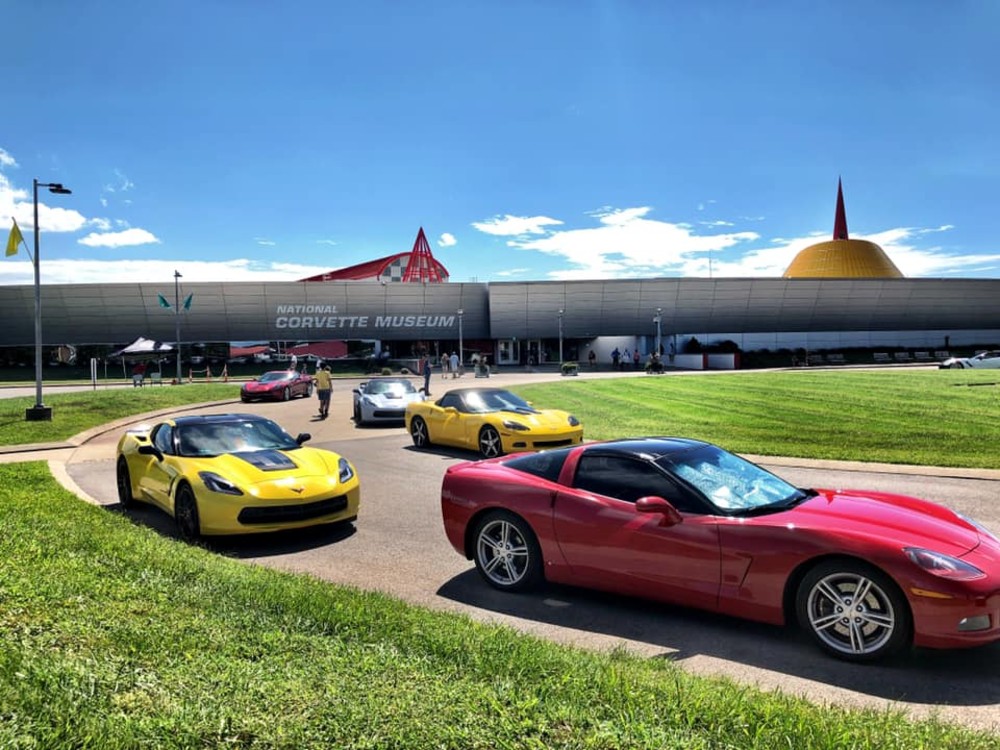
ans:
(841, 257)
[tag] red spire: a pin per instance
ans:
(840, 221)
(422, 266)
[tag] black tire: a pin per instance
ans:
(357, 415)
(186, 514)
(124, 480)
(958, 366)
(286, 395)
(244, 399)
(419, 432)
(864, 628)
(506, 552)
(309, 390)
(490, 445)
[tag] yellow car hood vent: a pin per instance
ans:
(267, 460)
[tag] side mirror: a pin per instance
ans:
(303, 437)
(653, 504)
(150, 450)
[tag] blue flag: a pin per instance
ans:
(163, 301)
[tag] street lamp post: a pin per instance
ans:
(657, 319)
(461, 352)
(560, 338)
(39, 412)
(177, 322)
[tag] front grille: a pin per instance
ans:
(552, 443)
(290, 513)
(389, 413)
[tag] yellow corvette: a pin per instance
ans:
(234, 474)
(489, 420)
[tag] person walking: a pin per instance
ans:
(453, 362)
(592, 358)
(426, 372)
(635, 359)
(324, 388)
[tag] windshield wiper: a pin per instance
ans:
(797, 499)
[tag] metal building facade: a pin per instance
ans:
(247, 311)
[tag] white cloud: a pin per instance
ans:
(6, 160)
(512, 272)
(126, 238)
(512, 226)
(264, 241)
(134, 271)
(447, 240)
(628, 245)
(325, 242)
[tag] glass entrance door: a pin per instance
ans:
(508, 352)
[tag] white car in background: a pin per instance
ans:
(983, 360)
(384, 400)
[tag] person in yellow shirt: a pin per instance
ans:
(324, 387)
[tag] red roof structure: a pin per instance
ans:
(418, 265)
(840, 219)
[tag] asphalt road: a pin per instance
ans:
(398, 547)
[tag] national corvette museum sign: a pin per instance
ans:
(323, 317)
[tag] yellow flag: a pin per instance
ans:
(14, 240)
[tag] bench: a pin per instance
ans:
(923, 356)
(902, 357)
(836, 358)
(156, 378)
(942, 354)
(814, 359)
(881, 357)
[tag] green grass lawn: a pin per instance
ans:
(115, 637)
(934, 417)
(77, 411)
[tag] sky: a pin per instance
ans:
(243, 140)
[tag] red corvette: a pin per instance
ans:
(279, 385)
(682, 521)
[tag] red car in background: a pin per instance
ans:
(866, 574)
(277, 385)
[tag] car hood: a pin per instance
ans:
(893, 519)
(387, 399)
(260, 466)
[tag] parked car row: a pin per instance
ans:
(673, 519)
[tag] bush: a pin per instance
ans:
(387, 371)
(569, 368)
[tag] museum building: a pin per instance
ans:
(840, 293)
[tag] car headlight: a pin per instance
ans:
(215, 483)
(344, 470)
(510, 424)
(943, 566)
(573, 421)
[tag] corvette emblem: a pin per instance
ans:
(297, 490)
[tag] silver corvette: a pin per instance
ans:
(983, 360)
(384, 400)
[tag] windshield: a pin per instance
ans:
(728, 481)
(274, 377)
(213, 439)
(480, 402)
(390, 387)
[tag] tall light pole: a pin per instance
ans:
(461, 353)
(657, 319)
(560, 338)
(39, 412)
(177, 322)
